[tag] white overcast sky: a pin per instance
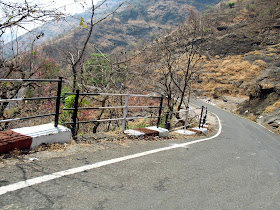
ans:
(68, 6)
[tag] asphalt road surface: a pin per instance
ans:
(238, 169)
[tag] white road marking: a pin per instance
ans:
(45, 178)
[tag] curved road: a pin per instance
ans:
(239, 169)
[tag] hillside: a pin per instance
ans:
(136, 23)
(240, 53)
(245, 53)
(240, 47)
(55, 29)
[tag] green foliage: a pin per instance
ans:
(82, 23)
(97, 70)
(69, 102)
(153, 36)
(66, 116)
(130, 48)
(231, 4)
(64, 91)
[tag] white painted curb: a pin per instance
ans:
(46, 133)
(186, 132)
(162, 131)
(203, 130)
(134, 133)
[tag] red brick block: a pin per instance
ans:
(10, 140)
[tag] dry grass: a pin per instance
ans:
(231, 70)
(252, 117)
(277, 104)
(272, 108)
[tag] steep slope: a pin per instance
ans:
(244, 51)
(240, 49)
(137, 21)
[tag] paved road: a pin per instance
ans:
(239, 169)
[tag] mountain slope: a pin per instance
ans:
(243, 50)
(137, 21)
(240, 52)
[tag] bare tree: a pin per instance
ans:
(16, 63)
(77, 58)
(172, 64)
(20, 14)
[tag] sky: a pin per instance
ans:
(70, 7)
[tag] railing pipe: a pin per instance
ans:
(202, 109)
(107, 120)
(160, 110)
(75, 114)
(125, 112)
(111, 94)
(26, 118)
(29, 80)
(186, 121)
(26, 99)
(112, 107)
(57, 106)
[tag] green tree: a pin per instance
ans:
(97, 70)
(231, 4)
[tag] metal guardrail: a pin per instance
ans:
(26, 99)
(125, 108)
(112, 94)
(201, 118)
(57, 97)
(30, 80)
(76, 108)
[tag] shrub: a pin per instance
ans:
(231, 4)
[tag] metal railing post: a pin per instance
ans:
(75, 114)
(167, 124)
(204, 118)
(186, 122)
(160, 110)
(59, 87)
(202, 109)
(125, 112)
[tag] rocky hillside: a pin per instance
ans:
(240, 53)
(243, 53)
(136, 23)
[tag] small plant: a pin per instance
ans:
(231, 4)
(153, 36)
(69, 102)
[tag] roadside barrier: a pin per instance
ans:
(57, 98)
(125, 108)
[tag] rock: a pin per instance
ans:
(221, 28)
(274, 125)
